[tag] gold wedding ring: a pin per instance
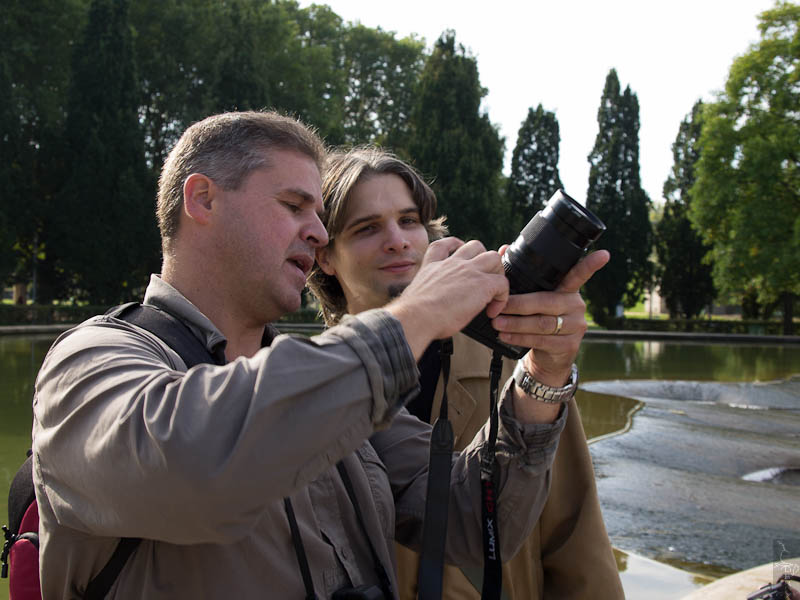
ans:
(559, 324)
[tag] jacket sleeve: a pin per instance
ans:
(577, 559)
(524, 456)
(127, 444)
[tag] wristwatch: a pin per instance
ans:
(545, 393)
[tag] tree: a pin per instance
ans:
(9, 174)
(454, 142)
(616, 196)
(685, 278)
(746, 200)
(534, 167)
(174, 72)
(382, 73)
(107, 235)
(36, 61)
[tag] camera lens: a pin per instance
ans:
(546, 249)
(550, 244)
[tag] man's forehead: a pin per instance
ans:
(369, 199)
(294, 171)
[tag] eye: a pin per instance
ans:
(366, 229)
(410, 220)
(293, 208)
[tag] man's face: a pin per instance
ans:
(381, 245)
(270, 229)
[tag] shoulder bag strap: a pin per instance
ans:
(177, 336)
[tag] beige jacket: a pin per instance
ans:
(568, 556)
(127, 443)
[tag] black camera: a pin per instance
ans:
(546, 249)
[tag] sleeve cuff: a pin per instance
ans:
(379, 341)
(536, 443)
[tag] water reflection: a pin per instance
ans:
(605, 414)
(603, 359)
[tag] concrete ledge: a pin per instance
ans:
(742, 584)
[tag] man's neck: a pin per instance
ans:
(243, 337)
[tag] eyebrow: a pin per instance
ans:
(376, 217)
(304, 196)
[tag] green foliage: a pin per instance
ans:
(454, 142)
(9, 172)
(746, 200)
(685, 279)
(35, 57)
(108, 246)
(534, 168)
(90, 111)
(616, 196)
(382, 73)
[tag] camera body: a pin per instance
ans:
(546, 249)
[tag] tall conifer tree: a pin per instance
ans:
(616, 196)
(455, 144)
(107, 235)
(534, 167)
(685, 279)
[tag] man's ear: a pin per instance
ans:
(324, 260)
(198, 194)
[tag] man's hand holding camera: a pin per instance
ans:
(552, 324)
(455, 282)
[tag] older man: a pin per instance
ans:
(380, 216)
(265, 474)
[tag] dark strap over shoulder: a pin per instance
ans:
(171, 330)
(193, 352)
(101, 584)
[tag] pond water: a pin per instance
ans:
(604, 415)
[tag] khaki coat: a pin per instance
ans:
(568, 556)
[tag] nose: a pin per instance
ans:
(396, 238)
(314, 233)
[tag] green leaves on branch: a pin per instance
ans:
(746, 200)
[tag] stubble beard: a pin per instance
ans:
(395, 289)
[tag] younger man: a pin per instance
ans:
(380, 217)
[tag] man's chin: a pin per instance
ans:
(395, 289)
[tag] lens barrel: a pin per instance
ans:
(546, 249)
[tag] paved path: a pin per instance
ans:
(709, 473)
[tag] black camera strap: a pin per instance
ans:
(492, 565)
(300, 551)
(383, 577)
(437, 501)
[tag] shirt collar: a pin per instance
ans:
(162, 295)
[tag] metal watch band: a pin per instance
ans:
(542, 392)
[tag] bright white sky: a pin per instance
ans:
(558, 53)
